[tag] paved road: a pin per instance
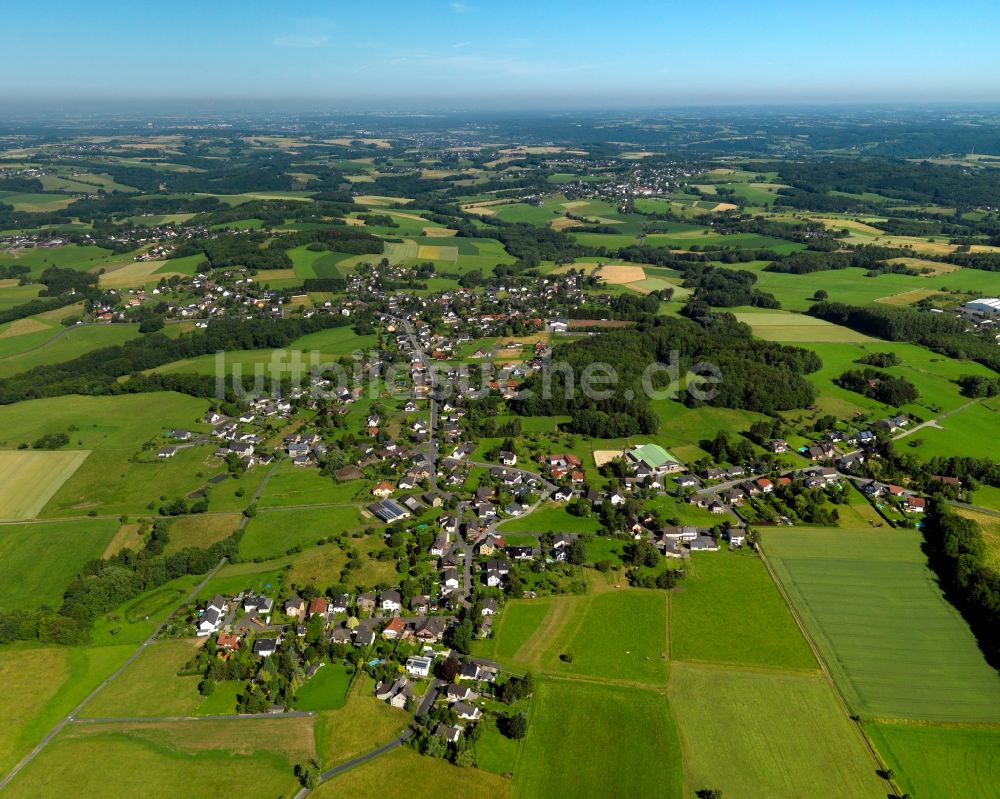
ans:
(71, 716)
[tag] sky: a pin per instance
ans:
(514, 53)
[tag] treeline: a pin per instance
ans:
(881, 386)
(62, 287)
(868, 256)
(940, 332)
(755, 375)
(99, 372)
(959, 554)
(626, 307)
(726, 288)
(923, 182)
(104, 585)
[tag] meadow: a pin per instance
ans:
(611, 636)
(275, 532)
(755, 733)
(893, 644)
(421, 778)
(727, 609)
(150, 685)
(39, 560)
(44, 684)
(326, 690)
(940, 762)
(595, 740)
(162, 759)
(361, 724)
(57, 345)
(29, 478)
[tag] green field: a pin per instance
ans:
(44, 684)
(940, 762)
(594, 740)
(796, 328)
(150, 685)
(552, 518)
(518, 622)
(895, 647)
(64, 345)
(38, 561)
(727, 610)
(326, 690)
(165, 759)
(755, 733)
(416, 778)
(273, 533)
(29, 479)
(614, 636)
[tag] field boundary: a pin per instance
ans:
(841, 699)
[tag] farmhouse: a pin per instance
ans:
(654, 458)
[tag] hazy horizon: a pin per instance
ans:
(513, 55)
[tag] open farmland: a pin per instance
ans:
(893, 644)
(812, 747)
(161, 759)
(940, 762)
(574, 728)
(29, 479)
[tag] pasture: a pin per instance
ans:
(940, 762)
(893, 644)
(783, 735)
(164, 759)
(56, 345)
(612, 636)
(361, 724)
(150, 685)
(29, 479)
(275, 532)
(425, 778)
(325, 690)
(44, 684)
(594, 740)
(39, 560)
(728, 610)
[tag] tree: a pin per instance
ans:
(577, 552)
(821, 295)
(514, 726)
(307, 774)
(460, 637)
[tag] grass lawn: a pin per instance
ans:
(892, 642)
(727, 610)
(946, 762)
(150, 685)
(29, 478)
(169, 759)
(753, 734)
(422, 778)
(551, 517)
(29, 574)
(495, 752)
(592, 740)
(326, 690)
(44, 684)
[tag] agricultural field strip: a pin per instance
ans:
(111, 678)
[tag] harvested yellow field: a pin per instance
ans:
(847, 224)
(20, 327)
(706, 188)
(602, 456)
(620, 275)
(133, 275)
(725, 207)
(439, 232)
(564, 223)
(908, 297)
(127, 537)
(353, 220)
(374, 199)
(30, 478)
(383, 144)
(301, 299)
(919, 263)
(434, 252)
